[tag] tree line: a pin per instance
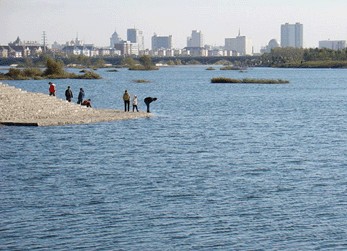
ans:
(305, 58)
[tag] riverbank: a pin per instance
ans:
(18, 107)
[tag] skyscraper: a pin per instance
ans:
(292, 35)
(136, 36)
(115, 39)
(161, 42)
(240, 44)
(196, 40)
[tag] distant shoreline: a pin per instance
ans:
(277, 58)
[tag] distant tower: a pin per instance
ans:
(292, 35)
(196, 40)
(136, 36)
(44, 41)
(78, 42)
(115, 39)
(240, 44)
(161, 42)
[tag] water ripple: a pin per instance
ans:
(225, 168)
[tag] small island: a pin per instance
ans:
(54, 70)
(222, 80)
(145, 64)
(141, 81)
(233, 68)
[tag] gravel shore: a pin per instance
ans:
(18, 107)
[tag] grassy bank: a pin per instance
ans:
(316, 64)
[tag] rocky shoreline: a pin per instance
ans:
(22, 108)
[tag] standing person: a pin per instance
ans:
(68, 94)
(126, 98)
(51, 89)
(135, 104)
(80, 96)
(149, 100)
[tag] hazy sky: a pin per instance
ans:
(95, 20)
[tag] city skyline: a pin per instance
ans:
(95, 21)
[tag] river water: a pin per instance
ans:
(219, 166)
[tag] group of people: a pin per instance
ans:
(127, 99)
(87, 102)
(69, 95)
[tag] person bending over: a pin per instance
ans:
(87, 103)
(149, 100)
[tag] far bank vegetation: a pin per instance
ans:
(305, 58)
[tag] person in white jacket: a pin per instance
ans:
(135, 104)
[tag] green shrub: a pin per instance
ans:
(4, 77)
(32, 72)
(14, 73)
(54, 68)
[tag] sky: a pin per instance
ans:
(94, 21)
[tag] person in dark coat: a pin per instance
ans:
(126, 98)
(80, 96)
(149, 100)
(68, 94)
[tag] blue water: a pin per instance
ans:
(219, 167)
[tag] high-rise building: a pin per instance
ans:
(115, 39)
(136, 36)
(125, 48)
(161, 42)
(292, 35)
(196, 40)
(240, 44)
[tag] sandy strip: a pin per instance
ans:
(18, 107)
